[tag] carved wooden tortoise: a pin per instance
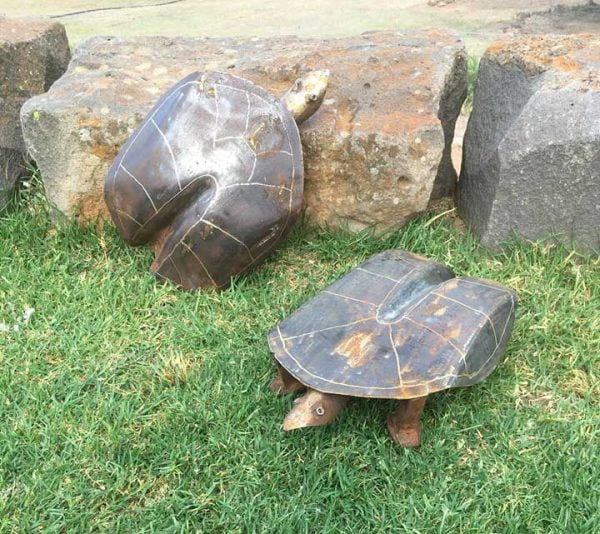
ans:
(397, 327)
(213, 177)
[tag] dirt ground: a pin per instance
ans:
(477, 21)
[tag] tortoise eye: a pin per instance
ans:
(320, 411)
(311, 97)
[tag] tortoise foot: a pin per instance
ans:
(284, 382)
(404, 425)
(409, 436)
(314, 409)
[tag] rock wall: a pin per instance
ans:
(33, 54)
(376, 152)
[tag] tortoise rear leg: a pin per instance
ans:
(314, 409)
(404, 425)
(284, 382)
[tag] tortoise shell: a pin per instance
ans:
(212, 178)
(398, 326)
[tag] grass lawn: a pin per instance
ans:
(478, 23)
(127, 405)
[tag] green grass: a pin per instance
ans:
(241, 18)
(129, 406)
(472, 70)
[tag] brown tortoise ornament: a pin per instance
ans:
(213, 177)
(396, 327)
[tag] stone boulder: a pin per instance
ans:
(531, 160)
(33, 54)
(376, 152)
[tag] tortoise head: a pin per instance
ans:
(314, 409)
(306, 95)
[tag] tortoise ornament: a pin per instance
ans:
(396, 327)
(213, 177)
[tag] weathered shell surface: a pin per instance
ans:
(213, 178)
(398, 326)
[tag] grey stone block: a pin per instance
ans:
(375, 153)
(531, 160)
(33, 54)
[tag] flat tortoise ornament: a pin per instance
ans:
(396, 327)
(213, 176)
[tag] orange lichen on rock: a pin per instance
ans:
(563, 53)
(90, 206)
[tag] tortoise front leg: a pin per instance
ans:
(404, 425)
(284, 382)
